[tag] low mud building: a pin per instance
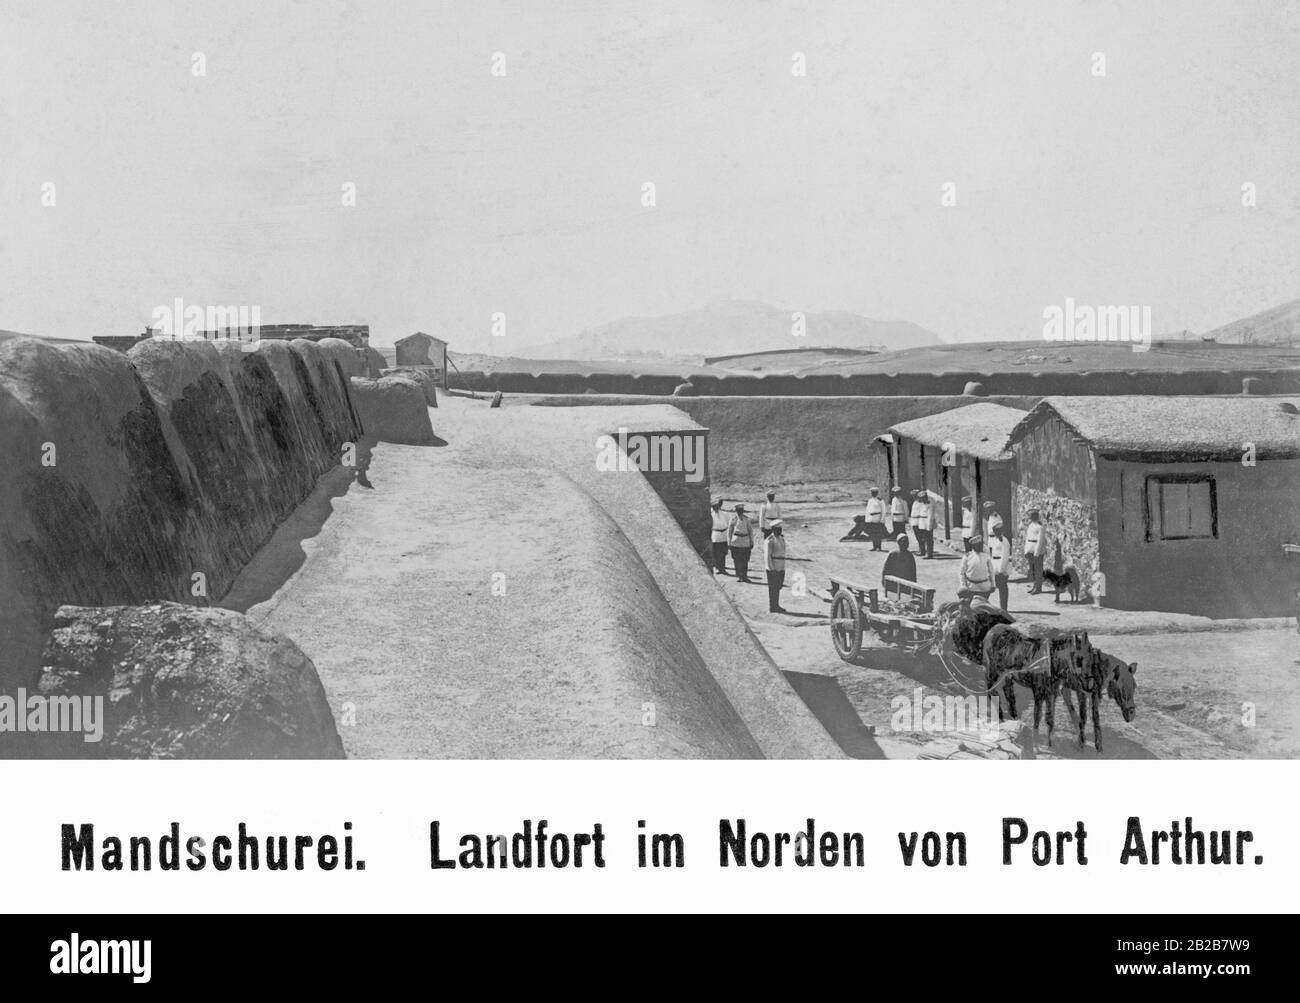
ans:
(423, 350)
(955, 453)
(1178, 504)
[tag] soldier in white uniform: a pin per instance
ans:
(991, 519)
(923, 502)
(897, 511)
(774, 566)
(1034, 551)
(977, 573)
(919, 517)
(768, 513)
(967, 522)
(718, 537)
(1000, 555)
(876, 519)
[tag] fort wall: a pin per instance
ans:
(153, 474)
(1032, 384)
(793, 440)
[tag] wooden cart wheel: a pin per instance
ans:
(846, 625)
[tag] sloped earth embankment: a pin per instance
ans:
(501, 598)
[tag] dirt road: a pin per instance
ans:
(1206, 689)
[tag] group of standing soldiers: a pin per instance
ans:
(893, 520)
(983, 573)
(735, 533)
(986, 566)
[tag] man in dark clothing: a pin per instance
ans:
(858, 531)
(901, 563)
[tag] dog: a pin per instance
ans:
(1066, 581)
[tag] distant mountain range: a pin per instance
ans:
(734, 327)
(1279, 325)
(730, 327)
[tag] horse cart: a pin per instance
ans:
(902, 613)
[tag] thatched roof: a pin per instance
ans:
(1175, 429)
(980, 430)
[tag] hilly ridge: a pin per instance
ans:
(731, 327)
(1279, 325)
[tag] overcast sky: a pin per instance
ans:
(522, 194)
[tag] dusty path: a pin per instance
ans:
(480, 601)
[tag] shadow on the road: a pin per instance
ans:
(922, 667)
(823, 696)
(1065, 739)
(282, 555)
(928, 670)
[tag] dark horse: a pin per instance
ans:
(969, 623)
(1039, 659)
(1116, 677)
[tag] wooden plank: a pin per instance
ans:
(893, 621)
(836, 581)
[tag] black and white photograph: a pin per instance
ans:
(613, 381)
(654, 389)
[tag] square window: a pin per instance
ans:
(1181, 507)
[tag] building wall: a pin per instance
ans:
(425, 353)
(1056, 475)
(1050, 458)
(795, 440)
(688, 501)
(413, 351)
(995, 486)
(1241, 573)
